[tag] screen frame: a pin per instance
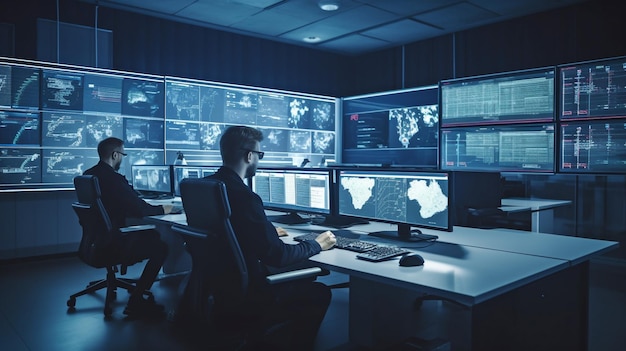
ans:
(291, 209)
(407, 172)
(176, 179)
(135, 168)
(514, 119)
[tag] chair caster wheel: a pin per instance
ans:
(71, 303)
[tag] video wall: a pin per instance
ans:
(53, 117)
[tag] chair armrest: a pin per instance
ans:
(190, 231)
(293, 275)
(137, 228)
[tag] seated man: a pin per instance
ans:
(303, 303)
(121, 201)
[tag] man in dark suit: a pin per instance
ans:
(121, 202)
(303, 303)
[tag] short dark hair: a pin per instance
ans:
(236, 140)
(108, 145)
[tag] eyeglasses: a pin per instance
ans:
(119, 152)
(260, 153)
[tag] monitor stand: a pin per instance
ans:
(340, 221)
(289, 219)
(404, 233)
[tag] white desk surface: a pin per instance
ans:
(533, 204)
(467, 265)
(466, 274)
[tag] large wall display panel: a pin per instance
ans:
(53, 116)
(392, 128)
(512, 97)
(514, 148)
(297, 128)
(593, 89)
(593, 146)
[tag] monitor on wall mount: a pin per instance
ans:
(512, 97)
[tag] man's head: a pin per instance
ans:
(111, 151)
(240, 149)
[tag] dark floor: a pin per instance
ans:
(34, 316)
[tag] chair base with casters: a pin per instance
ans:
(111, 283)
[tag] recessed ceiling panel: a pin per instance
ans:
(355, 19)
(409, 7)
(219, 12)
(520, 8)
(461, 15)
(355, 44)
(256, 3)
(166, 6)
(269, 23)
(403, 31)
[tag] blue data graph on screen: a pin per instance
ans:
(182, 101)
(20, 166)
(142, 98)
(19, 128)
(5, 86)
(62, 90)
(63, 129)
(25, 87)
(102, 93)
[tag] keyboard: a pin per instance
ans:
(343, 242)
(381, 253)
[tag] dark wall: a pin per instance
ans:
(153, 45)
(590, 30)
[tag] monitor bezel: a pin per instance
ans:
(514, 119)
(176, 180)
(134, 168)
(295, 209)
(401, 171)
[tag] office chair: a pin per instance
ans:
(217, 288)
(97, 234)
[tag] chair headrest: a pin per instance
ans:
(205, 201)
(87, 188)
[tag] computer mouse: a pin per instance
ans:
(411, 260)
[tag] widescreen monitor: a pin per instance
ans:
(593, 146)
(143, 97)
(392, 128)
(511, 97)
(475, 192)
(19, 128)
(25, 87)
(184, 171)
(513, 148)
(407, 198)
(593, 89)
(294, 190)
(20, 166)
(62, 90)
(102, 93)
(152, 180)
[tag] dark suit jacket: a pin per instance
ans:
(257, 237)
(119, 198)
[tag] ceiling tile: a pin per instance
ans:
(409, 7)
(358, 18)
(354, 44)
(219, 12)
(166, 6)
(404, 31)
(456, 16)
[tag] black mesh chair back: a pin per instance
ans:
(94, 248)
(207, 208)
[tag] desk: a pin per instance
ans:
(479, 289)
(542, 211)
(178, 260)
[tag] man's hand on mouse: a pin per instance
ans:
(167, 208)
(326, 240)
(281, 231)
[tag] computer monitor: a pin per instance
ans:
(511, 97)
(407, 198)
(593, 89)
(512, 148)
(593, 146)
(392, 128)
(152, 181)
(294, 190)
(184, 171)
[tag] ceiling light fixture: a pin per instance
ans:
(329, 5)
(312, 39)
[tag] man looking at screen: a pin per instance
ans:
(303, 303)
(121, 202)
